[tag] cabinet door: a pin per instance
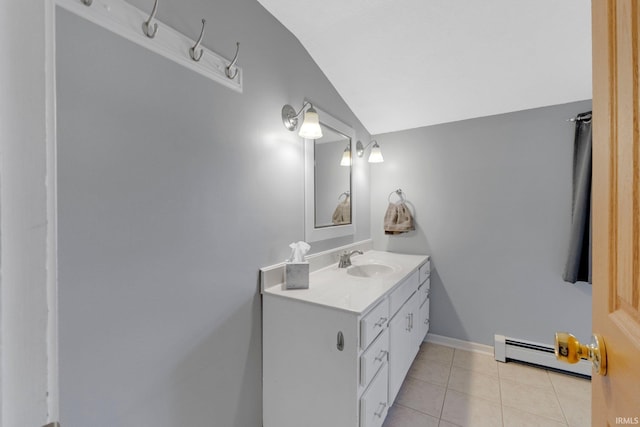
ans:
(403, 345)
(310, 365)
(414, 329)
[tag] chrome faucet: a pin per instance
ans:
(345, 258)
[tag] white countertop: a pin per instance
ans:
(333, 287)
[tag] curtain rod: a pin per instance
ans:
(586, 117)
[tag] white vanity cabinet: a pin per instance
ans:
(325, 365)
(315, 371)
(408, 326)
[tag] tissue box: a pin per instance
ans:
(296, 275)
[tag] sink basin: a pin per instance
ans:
(369, 270)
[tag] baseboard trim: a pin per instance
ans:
(459, 344)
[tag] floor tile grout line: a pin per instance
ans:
(523, 383)
(500, 379)
(418, 410)
(471, 371)
(475, 396)
(500, 393)
(555, 393)
(446, 388)
(564, 421)
(536, 415)
(415, 410)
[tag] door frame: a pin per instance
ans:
(53, 395)
(28, 241)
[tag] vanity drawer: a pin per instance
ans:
(425, 271)
(403, 292)
(425, 290)
(373, 323)
(373, 403)
(372, 359)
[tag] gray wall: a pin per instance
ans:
(492, 203)
(173, 192)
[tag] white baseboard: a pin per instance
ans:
(459, 344)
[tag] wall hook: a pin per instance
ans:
(197, 56)
(146, 26)
(233, 63)
(87, 2)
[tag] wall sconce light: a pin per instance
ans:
(310, 128)
(375, 156)
(346, 156)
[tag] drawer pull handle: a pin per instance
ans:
(382, 406)
(408, 328)
(381, 356)
(380, 323)
(340, 343)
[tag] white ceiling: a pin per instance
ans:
(401, 64)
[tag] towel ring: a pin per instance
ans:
(346, 195)
(399, 193)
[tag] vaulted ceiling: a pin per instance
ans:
(401, 64)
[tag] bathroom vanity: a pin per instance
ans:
(337, 353)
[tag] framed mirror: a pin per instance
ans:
(329, 192)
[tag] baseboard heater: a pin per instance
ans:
(538, 354)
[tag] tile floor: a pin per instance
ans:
(446, 387)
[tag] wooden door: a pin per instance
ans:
(616, 209)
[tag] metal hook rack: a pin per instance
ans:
(126, 20)
(146, 26)
(197, 56)
(233, 63)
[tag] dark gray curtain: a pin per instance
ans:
(578, 267)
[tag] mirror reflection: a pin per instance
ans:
(332, 177)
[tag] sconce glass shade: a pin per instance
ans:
(346, 157)
(310, 128)
(376, 154)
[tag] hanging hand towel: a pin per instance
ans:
(342, 214)
(398, 219)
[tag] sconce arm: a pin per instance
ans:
(290, 117)
(360, 149)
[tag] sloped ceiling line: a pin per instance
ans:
(410, 63)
